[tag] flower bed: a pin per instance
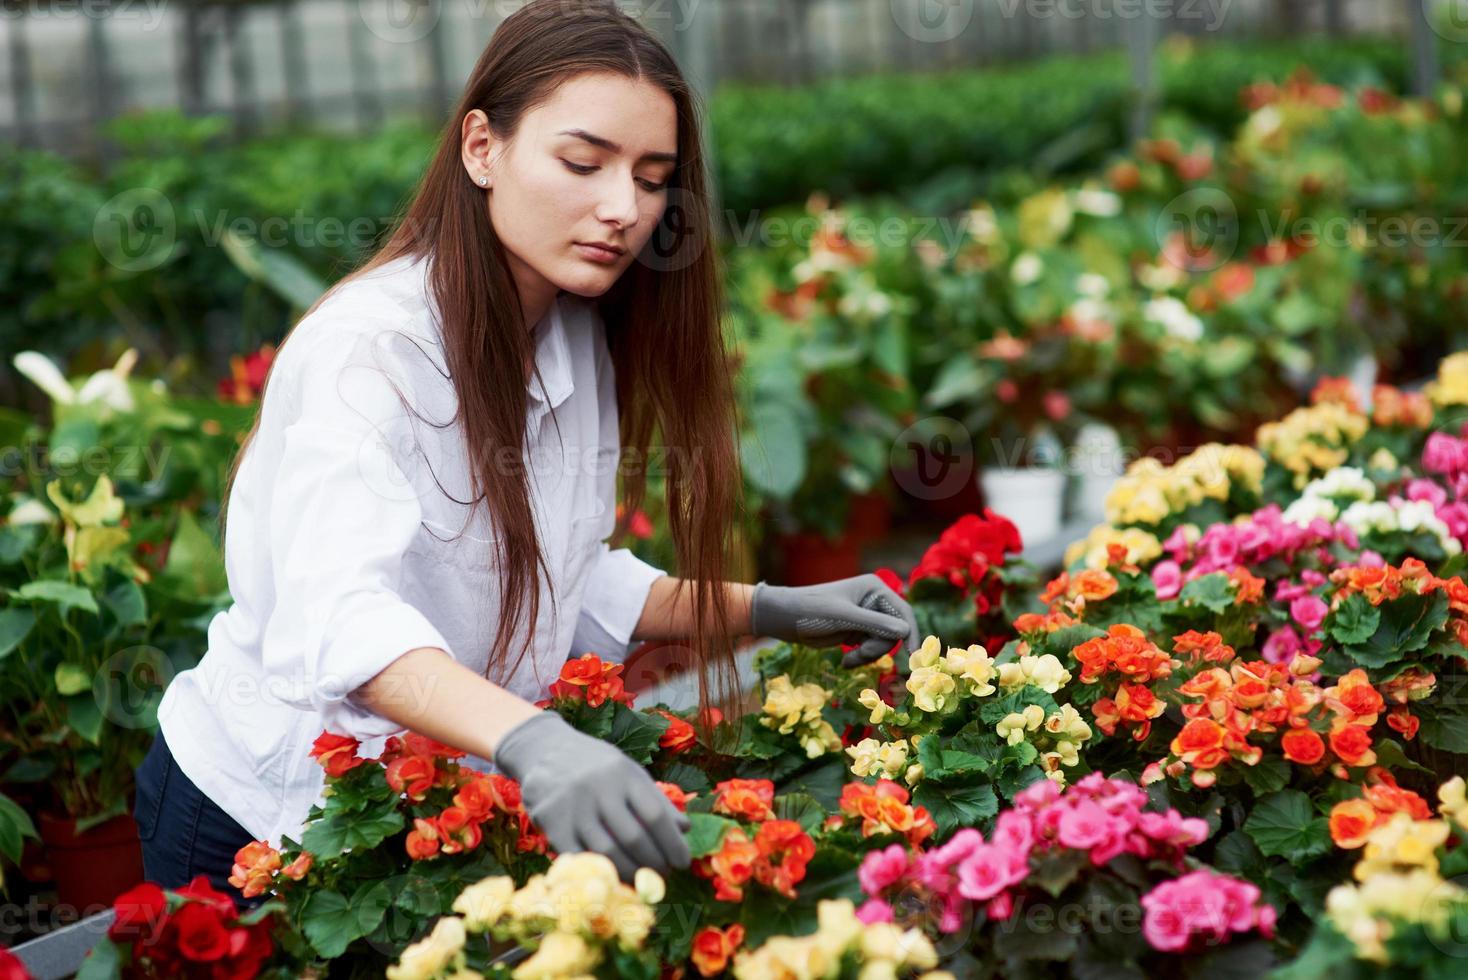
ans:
(1222, 741)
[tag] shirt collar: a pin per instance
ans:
(552, 360)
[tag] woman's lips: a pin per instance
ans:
(596, 253)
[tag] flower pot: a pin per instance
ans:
(810, 559)
(1031, 498)
(869, 517)
(94, 867)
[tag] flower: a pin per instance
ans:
(713, 947)
(588, 679)
(485, 902)
(336, 754)
(107, 387)
(747, 799)
(1202, 908)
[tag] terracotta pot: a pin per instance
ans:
(810, 559)
(94, 867)
(869, 517)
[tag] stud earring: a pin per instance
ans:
(483, 181)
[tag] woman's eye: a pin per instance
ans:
(653, 186)
(578, 168)
(583, 169)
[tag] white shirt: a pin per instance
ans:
(340, 546)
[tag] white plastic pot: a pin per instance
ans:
(1031, 498)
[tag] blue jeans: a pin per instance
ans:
(184, 833)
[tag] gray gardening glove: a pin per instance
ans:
(588, 795)
(863, 610)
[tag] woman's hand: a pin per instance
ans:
(588, 795)
(862, 610)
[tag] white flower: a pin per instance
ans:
(1264, 121)
(31, 511)
(1102, 204)
(1307, 509)
(1343, 481)
(108, 386)
(431, 955)
(1026, 269)
(1173, 315)
(1093, 285)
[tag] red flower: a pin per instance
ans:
(337, 754)
(970, 544)
(200, 932)
(713, 947)
(1303, 746)
(412, 775)
(749, 799)
(680, 736)
(137, 913)
(11, 968)
(784, 851)
(588, 679)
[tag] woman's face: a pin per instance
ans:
(589, 167)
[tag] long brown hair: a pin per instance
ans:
(662, 320)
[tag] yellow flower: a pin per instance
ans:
(1451, 386)
(974, 666)
(930, 688)
(872, 701)
(1402, 841)
(926, 655)
(1453, 795)
(649, 886)
(432, 954)
(1045, 672)
(561, 955)
(865, 757)
(1312, 439)
(102, 506)
(483, 904)
(1141, 546)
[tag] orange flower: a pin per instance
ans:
(1350, 822)
(1248, 587)
(1134, 704)
(411, 775)
(784, 851)
(337, 754)
(1401, 720)
(423, 840)
(1354, 698)
(748, 799)
(476, 797)
(1208, 647)
(297, 869)
(676, 795)
(1126, 650)
(459, 831)
(883, 809)
(713, 947)
(1201, 744)
(588, 679)
(254, 868)
(1303, 746)
(1093, 585)
(1352, 744)
(680, 736)
(729, 867)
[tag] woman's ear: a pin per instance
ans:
(476, 146)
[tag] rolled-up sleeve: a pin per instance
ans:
(616, 593)
(343, 511)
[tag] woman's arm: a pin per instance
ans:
(428, 691)
(668, 614)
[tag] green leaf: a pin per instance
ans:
(1056, 871)
(64, 594)
(773, 451)
(1446, 732)
(126, 602)
(1284, 825)
(72, 679)
(1407, 624)
(1213, 592)
(1355, 620)
(15, 625)
(85, 717)
(802, 808)
(636, 733)
(329, 923)
(15, 827)
(335, 833)
(706, 833)
(104, 962)
(953, 807)
(1271, 774)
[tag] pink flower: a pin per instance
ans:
(984, 873)
(1202, 908)
(1281, 646)
(1083, 826)
(882, 869)
(874, 910)
(1014, 831)
(1167, 578)
(1445, 454)
(1309, 611)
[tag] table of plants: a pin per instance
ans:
(1227, 740)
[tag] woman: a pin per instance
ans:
(416, 522)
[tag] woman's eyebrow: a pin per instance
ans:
(607, 144)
